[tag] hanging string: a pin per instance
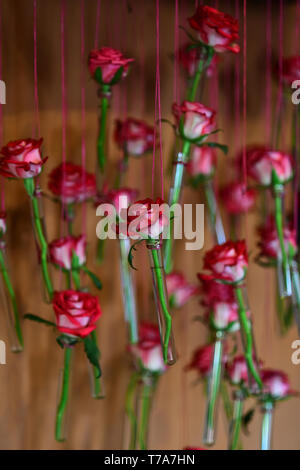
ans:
(124, 85)
(96, 41)
(237, 91)
(158, 98)
(63, 97)
(297, 25)
(63, 81)
(157, 110)
(83, 112)
(268, 73)
(297, 143)
(244, 90)
(37, 127)
(1, 115)
(279, 102)
(266, 330)
(176, 48)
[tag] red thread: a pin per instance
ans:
(176, 48)
(237, 91)
(1, 114)
(63, 96)
(245, 91)
(37, 127)
(158, 107)
(268, 73)
(96, 42)
(279, 102)
(83, 113)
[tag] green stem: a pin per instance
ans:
(236, 423)
(61, 409)
(76, 278)
(68, 279)
(159, 276)
(102, 131)
(213, 392)
(11, 292)
(246, 331)
(130, 410)
(70, 218)
(226, 401)
(146, 407)
(196, 80)
(100, 250)
(97, 389)
(279, 228)
(30, 188)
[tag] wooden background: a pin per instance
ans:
(29, 381)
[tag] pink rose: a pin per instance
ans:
(216, 29)
(22, 159)
(237, 198)
(237, 370)
(146, 218)
(2, 223)
(202, 161)
(179, 290)
(276, 383)
(197, 119)
(263, 162)
(148, 350)
(220, 303)
(134, 136)
(269, 242)
(226, 262)
(109, 61)
(61, 251)
(71, 183)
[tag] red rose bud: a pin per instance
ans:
(269, 242)
(148, 350)
(198, 120)
(109, 61)
(71, 183)
(237, 370)
(179, 290)
(146, 218)
(2, 223)
(62, 250)
(202, 359)
(76, 312)
(237, 198)
(226, 262)
(290, 70)
(134, 136)
(219, 300)
(22, 159)
(276, 383)
(202, 161)
(261, 164)
(216, 29)
(189, 57)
